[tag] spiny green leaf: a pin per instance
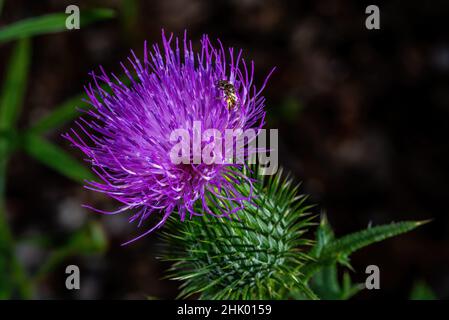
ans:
(327, 286)
(348, 244)
(49, 23)
(14, 85)
(325, 283)
(55, 158)
(339, 250)
(348, 288)
(324, 235)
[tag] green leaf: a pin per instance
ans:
(328, 252)
(325, 283)
(55, 158)
(11, 273)
(327, 286)
(62, 114)
(343, 247)
(14, 85)
(49, 23)
(324, 235)
(67, 111)
(87, 241)
(422, 291)
(339, 250)
(90, 240)
(348, 288)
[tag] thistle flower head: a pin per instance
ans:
(126, 135)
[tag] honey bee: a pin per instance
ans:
(229, 92)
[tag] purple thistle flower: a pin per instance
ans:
(126, 135)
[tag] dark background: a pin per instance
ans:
(363, 119)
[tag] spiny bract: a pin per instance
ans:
(256, 257)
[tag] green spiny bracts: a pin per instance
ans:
(254, 257)
(264, 254)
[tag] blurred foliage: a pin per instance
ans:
(50, 23)
(290, 110)
(67, 111)
(422, 291)
(14, 280)
(89, 240)
(14, 85)
(129, 10)
(55, 158)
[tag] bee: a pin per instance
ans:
(229, 92)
